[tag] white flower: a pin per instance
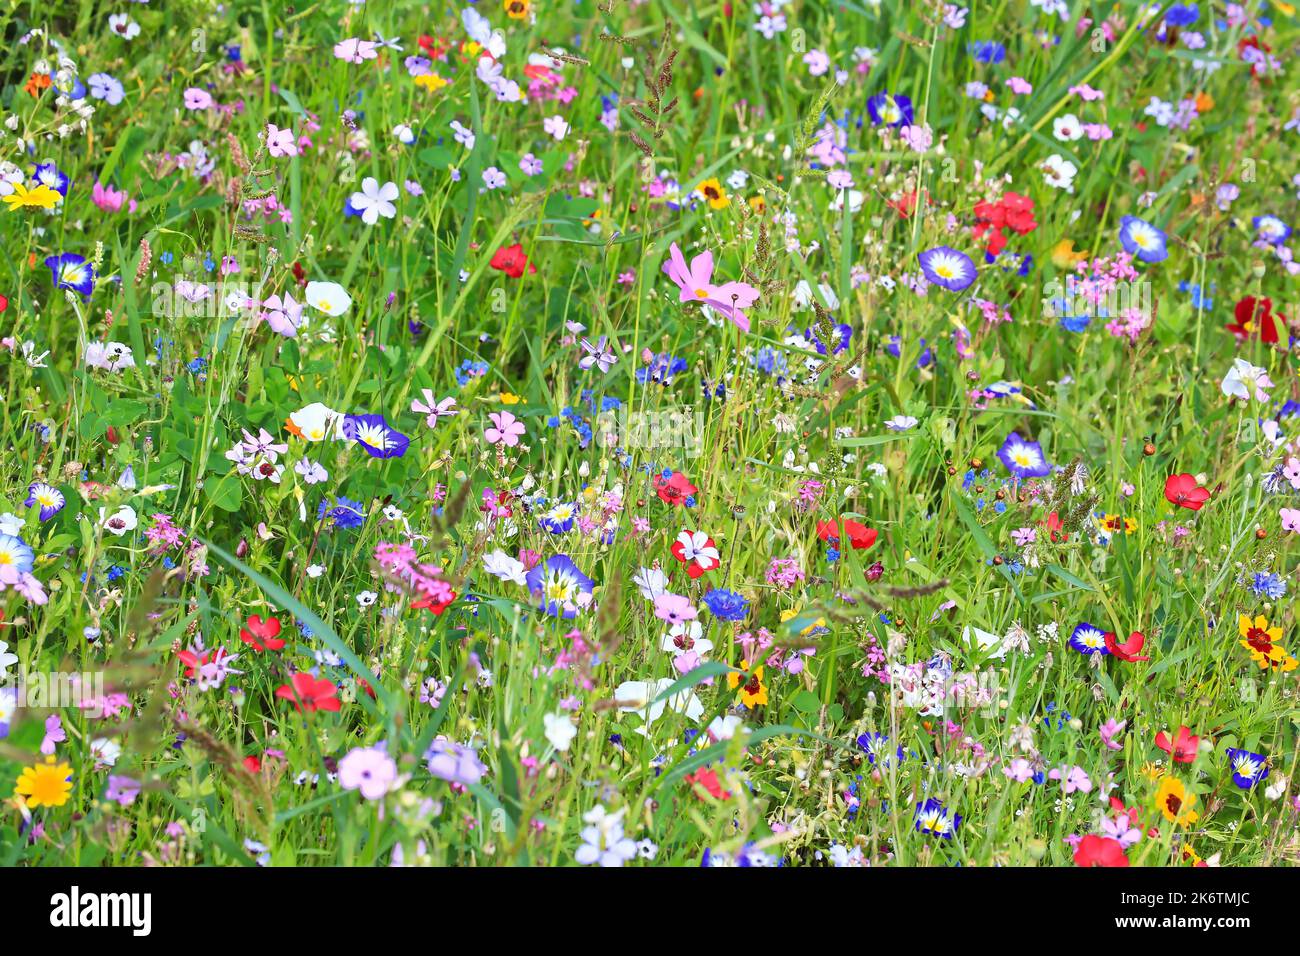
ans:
(374, 201)
(105, 751)
(1067, 128)
(501, 565)
(120, 521)
(367, 598)
(6, 660)
(328, 297)
(315, 570)
(603, 841)
(555, 126)
(642, 697)
(1059, 172)
(404, 134)
(900, 423)
(803, 296)
(724, 728)
(122, 25)
(652, 582)
(12, 524)
(1244, 379)
(560, 730)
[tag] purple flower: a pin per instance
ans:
(454, 763)
(122, 790)
(1023, 458)
(368, 769)
(947, 268)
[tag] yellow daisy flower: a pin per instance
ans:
(42, 197)
(45, 785)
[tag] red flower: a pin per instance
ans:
(309, 694)
(1183, 491)
(860, 536)
(4, 303)
(1242, 46)
(1012, 211)
(193, 661)
(707, 778)
(697, 551)
(512, 261)
(675, 489)
(262, 634)
(1128, 651)
(253, 763)
(1054, 526)
(1254, 315)
(1096, 850)
(1183, 748)
(432, 604)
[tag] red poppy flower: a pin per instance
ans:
(1182, 748)
(193, 661)
(512, 261)
(253, 763)
(1128, 651)
(1184, 491)
(1012, 211)
(674, 489)
(262, 634)
(1096, 850)
(707, 779)
(860, 536)
(309, 694)
(1255, 315)
(4, 303)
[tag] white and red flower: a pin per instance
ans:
(696, 550)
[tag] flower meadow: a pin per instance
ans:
(649, 434)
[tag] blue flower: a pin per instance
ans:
(889, 110)
(933, 818)
(345, 514)
(1140, 238)
(1088, 639)
(560, 585)
(375, 435)
(71, 271)
(1248, 768)
(726, 605)
(1023, 458)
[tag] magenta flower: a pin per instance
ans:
(107, 198)
(1109, 731)
(507, 431)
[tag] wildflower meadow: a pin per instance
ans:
(649, 434)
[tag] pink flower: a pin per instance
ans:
(1019, 770)
(674, 608)
(918, 138)
(1290, 519)
(696, 284)
(197, 99)
(280, 142)
(1020, 86)
(107, 198)
(355, 51)
(1109, 731)
(508, 429)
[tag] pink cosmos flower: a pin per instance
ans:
(696, 284)
(508, 429)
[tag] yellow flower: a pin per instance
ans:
(45, 785)
(516, 9)
(430, 81)
(753, 693)
(712, 190)
(1173, 800)
(1261, 640)
(1064, 256)
(42, 197)
(758, 204)
(509, 398)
